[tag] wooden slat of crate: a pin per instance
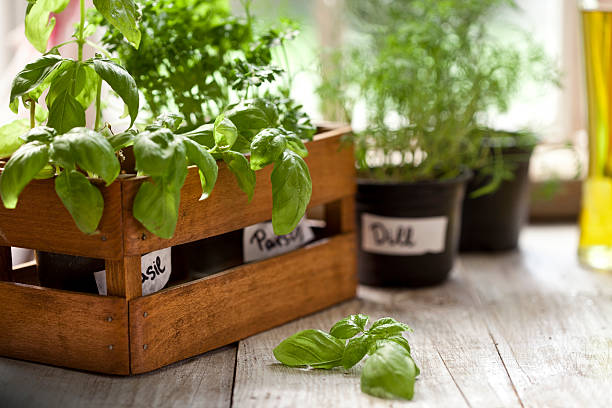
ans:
(200, 316)
(227, 209)
(64, 328)
(41, 222)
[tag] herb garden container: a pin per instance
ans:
(408, 232)
(127, 333)
(493, 222)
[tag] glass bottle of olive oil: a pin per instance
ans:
(595, 248)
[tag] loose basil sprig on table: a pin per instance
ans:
(388, 372)
(64, 147)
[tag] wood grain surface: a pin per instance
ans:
(517, 329)
(332, 171)
(35, 327)
(192, 318)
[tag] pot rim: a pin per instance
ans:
(465, 175)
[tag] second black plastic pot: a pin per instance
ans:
(408, 233)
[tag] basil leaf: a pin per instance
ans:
(42, 134)
(269, 110)
(387, 327)
(22, 167)
(389, 373)
(10, 136)
(250, 117)
(171, 121)
(89, 149)
(239, 165)
(66, 113)
(154, 152)
(225, 133)
(83, 201)
(267, 147)
(296, 144)
(121, 140)
(291, 191)
(124, 15)
(207, 166)
(156, 206)
(355, 350)
(349, 326)
(33, 75)
(121, 82)
(38, 26)
(203, 135)
(79, 79)
(313, 348)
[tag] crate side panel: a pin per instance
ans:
(227, 209)
(200, 316)
(41, 222)
(64, 328)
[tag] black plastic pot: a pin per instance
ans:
(67, 272)
(421, 224)
(493, 222)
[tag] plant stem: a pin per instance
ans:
(81, 39)
(32, 114)
(289, 78)
(98, 104)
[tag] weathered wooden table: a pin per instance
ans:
(527, 328)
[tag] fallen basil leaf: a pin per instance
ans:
(22, 167)
(355, 350)
(387, 327)
(349, 326)
(311, 348)
(389, 373)
(83, 201)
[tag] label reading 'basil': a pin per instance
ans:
(403, 236)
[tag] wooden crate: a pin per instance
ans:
(127, 333)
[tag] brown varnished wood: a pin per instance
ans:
(26, 273)
(41, 222)
(123, 277)
(196, 317)
(332, 171)
(62, 328)
(340, 215)
(6, 264)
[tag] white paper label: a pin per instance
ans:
(260, 242)
(155, 268)
(403, 236)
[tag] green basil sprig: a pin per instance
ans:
(388, 372)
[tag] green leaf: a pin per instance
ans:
(225, 133)
(121, 82)
(10, 136)
(22, 167)
(121, 140)
(312, 348)
(349, 326)
(170, 121)
(79, 80)
(83, 201)
(156, 206)
(33, 75)
(42, 134)
(124, 15)
(41, 115)
(268, 108)
(250, 117)
(387, 327)
(155, 152)
(66, 113)
(355, 350)
(296, 144)
(267, 147)
(239, 165)
(38, 26)
(291, 191)
(207, 166)
(89, 149)
(203, 135)
(389, 373)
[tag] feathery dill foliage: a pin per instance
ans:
(427, 72)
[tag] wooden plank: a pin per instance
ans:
(41, 222)
(332, 171)
(64, 328)
(6, 264)
(123, 277)
(196, 317)
(205, 381)
(551, 319)
(340, 215)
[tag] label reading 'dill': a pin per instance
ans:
(155, 270)
(260, 242)
(402, 236)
